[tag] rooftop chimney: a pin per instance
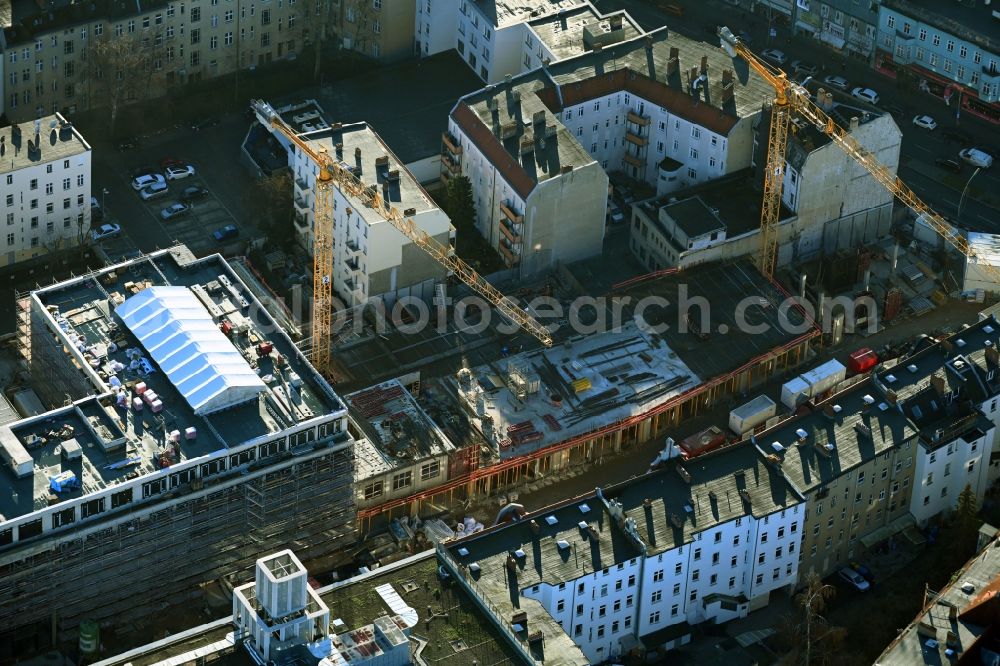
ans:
(854, 123)
(937, 382)
(674, 62)
(357, 161)
(615, 22)
(992, 355)
(704, 64)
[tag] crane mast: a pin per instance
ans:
(331, 173)
(795, 98)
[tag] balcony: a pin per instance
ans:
(352, 246)
(510, 214)
(641, 121)
(300, 203)
(510, 233)
(636, 139)
(633, 160)
(302, 184)
(451, 165)
(301, 220)
(509, 256)
(451, 144)
(352, 265)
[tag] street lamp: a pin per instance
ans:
(961, 200)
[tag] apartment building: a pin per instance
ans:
(842, 25)
(174, 450)
(637, 565)
(68, 57)
(497, 38)
(372, 260)
(45, 166)
(893, 449)
(949, 50)
(380, 29)
(536, 148)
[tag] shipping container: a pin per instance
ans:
(794, 392)
(862, 360)
(746, 417)
(824, 377)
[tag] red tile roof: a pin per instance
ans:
(481, 135)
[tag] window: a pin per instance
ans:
(695, 132)
(736, 540)
(693, 153)
(692, 173)
(654, 617)
(195, 14)
(79, 180)
(890, 21)
(196, 35)
(677, 570)
(373, 490)
(265, 17)
(922, 35)
(696, 575)
(228, 40)
(693, 596)
(10, 239)
(213, 42)
(657, 596)
(697, 554)
(658, 575)
(402, 480)
(950, 46)
(732, 562)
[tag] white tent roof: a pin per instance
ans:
(178, 333)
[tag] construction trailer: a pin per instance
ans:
(180, 483)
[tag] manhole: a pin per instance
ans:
(458, 645)
(409, 586)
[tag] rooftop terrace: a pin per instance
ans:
(532, 400)
(57, 139)
(563, 32)
(138, 418)
(397, 430)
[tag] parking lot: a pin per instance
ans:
(193, 227)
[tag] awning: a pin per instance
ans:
(832, 40)
(802, 25)
(883, 533)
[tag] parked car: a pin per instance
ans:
(225, 233)
(865, 572)
(146, 179)
(175, 209)
(838, 82)
(925, 122)
(854, 579)
(992, 151)
(774, 55)
(949, 164)
(976, 158)
(957, 137)
(806, 67)
(168, 162)
(153, 191)
(105, 231)
(193, 193)
(178, 172)
(615, 214)
(96, 213)
(865, 95)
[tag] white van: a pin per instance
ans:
(976, 158)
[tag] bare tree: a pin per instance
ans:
(359, 21)
(325, 16)
(809, 639)
(121, 69)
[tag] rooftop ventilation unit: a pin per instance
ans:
(911, 368)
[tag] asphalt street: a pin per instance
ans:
(940, 189)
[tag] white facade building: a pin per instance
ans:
(537, 147)
(740, 523)
(944, 469)
(372, 260)
(45, 170)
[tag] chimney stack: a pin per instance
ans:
(704, 64)
(854, 123)
(937, 382)
(674, 62)
(992, 356)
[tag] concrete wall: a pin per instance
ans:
(435, 25)
(564, 219)
(418, 278)
(427, 169)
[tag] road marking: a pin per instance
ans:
(923, 149)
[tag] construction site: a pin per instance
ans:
(186, 434)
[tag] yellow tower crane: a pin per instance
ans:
(331, 173)
(791, 97)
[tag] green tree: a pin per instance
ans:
(966, 511)
(276, 208)
(459, 205)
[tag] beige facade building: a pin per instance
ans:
(69, 57)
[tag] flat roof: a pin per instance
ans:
(563, 32)
(535, 399)
(362, 147)
(579, 536)
(58, 139)
(117, 443)
(638, 65)
(925, 640)
(397, 430)
(509, 12)
(976, 23)
(407, 103)
(694, 217)
(724, 287)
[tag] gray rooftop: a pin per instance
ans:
(508, 12)
(579, 536)
(117, 443)
(57, 140)
(563, 32)
(362, 147)
(925, 640)
(694, 217)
